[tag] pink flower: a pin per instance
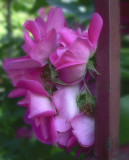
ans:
(44, 40)
(38, 49)
(43, 12)
(65, 101)
(83, 129)
(41, 111)
(44, 129)
(54, 110)
(72, 127)
(74, 51)
(22, 68)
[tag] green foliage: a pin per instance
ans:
(124, 121)
(38, 4)
(125, 65)
(75, 8)
(124, 110)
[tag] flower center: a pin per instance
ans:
(45, 75)
(88, 109)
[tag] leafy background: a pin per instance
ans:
(13, 13)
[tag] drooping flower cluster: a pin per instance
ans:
(52, 78)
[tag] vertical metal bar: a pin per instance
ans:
(108, 83)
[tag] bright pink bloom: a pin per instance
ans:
(75, 49)
(43, 12)
(44, 34)
(18, 92)
(63, 138)
(22, 68)
(65, 102)
(72, 127)
(44, 129)
(55, 117)
(83, 129)
(40, 105)
(40, 111)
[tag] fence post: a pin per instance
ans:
(108, 83)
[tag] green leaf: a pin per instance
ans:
(58, 81)
(125, 73)
(54, 75)
(81, 99)
(91, 67)
(91, 73)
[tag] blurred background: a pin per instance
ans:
(16, 138)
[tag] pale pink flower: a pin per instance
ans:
(72, 127)
(83, 128)
(56, 117)
(22, 68)
(75, 49)
(43, 12)
(41, 111)
(44, 33)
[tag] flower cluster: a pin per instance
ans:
(53, 77)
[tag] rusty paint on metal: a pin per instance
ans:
(108, 82)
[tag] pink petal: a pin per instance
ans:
(28, 74)
(72, 74)
(63, 138)
(77, 54)
(41, 26)
(83, 129)
(45, 131)
(20, 63)
(61, 124)
(29, 44)
(72, 63)
(67, 35)
(81, 49)
(65, 102)
(66, 59)
(72, 142)
(42, 131)
(43, 49)
(33, 74)
(53, 132)
(33, 86)
(18, 92)
(55, 19)
(24, 102)
(42, 13)
(44, 126)
(40, 105)
(95, 28)
(32, 26)
(26, 119)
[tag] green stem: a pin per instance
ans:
(88, 93)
